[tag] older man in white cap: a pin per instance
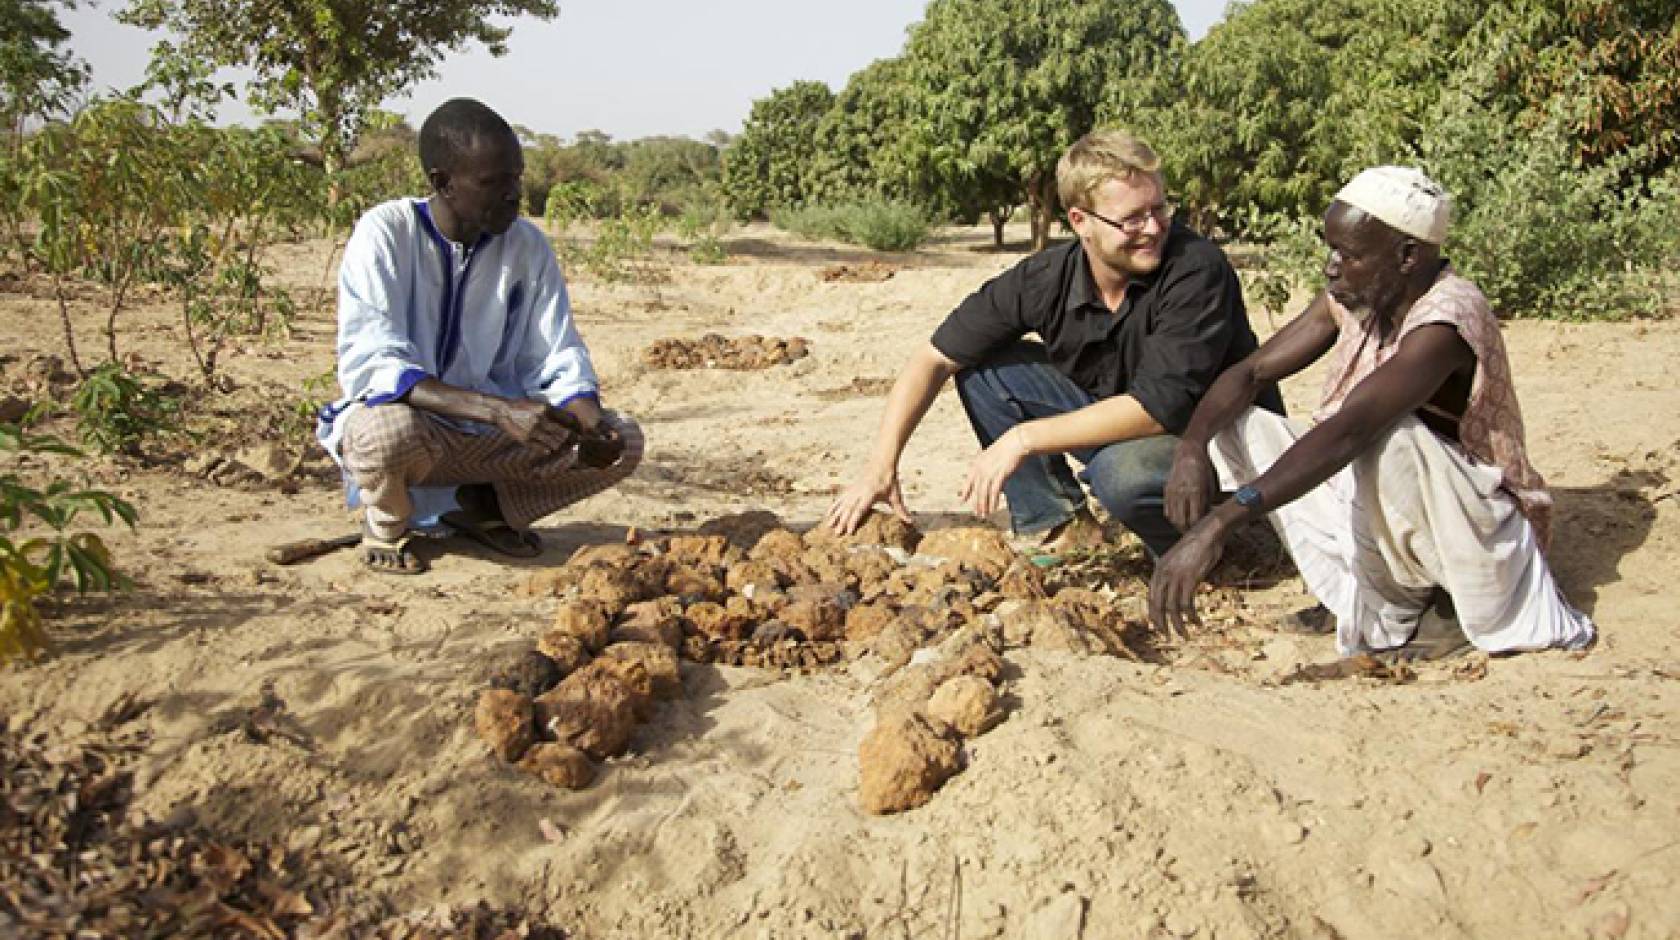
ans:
(1409, 506)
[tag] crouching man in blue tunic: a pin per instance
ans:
(469, 398)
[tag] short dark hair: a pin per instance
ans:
(451, 129)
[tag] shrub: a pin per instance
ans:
(115, 410)
(1544, 235)
(1294, 257)
(33, 567)
(881, 225)
(703, 225)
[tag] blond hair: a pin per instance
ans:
(1095, 159)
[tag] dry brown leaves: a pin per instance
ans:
(867, 272)
(74, 862)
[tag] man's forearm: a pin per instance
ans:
(1121, 418)
(444, 399)
(907, 404)
(1231, 394)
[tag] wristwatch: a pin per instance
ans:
(1247, 497)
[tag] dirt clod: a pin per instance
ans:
(659, 661)
(530, 673)
(503, 720)
(902, 762)
(559, 765)
(713, 351)
(591, 710)
(968, 704)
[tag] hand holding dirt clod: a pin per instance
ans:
(599, 445)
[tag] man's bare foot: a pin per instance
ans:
(1438, 635)
(390, 556)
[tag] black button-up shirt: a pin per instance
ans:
(1177, 329)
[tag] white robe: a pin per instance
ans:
(494, 317)
(1411, 513)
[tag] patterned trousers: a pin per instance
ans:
(389, 448)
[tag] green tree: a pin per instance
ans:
(107, 189)
(1285, 99)
(1618, 63)
(1003, 87)
(668, 172)
(765, 167)
(37, 76)
(861, 139)
(331, 60)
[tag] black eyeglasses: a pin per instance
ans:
(1133, 224)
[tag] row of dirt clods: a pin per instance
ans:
(746, 591)
(716, 351)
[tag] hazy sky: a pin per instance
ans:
(632, 68)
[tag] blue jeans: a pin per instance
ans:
(1127, 477)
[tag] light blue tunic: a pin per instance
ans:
(494, 317)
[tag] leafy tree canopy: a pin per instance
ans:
(331, 60)
(37, 76)
(765, 167)
(1001, 88)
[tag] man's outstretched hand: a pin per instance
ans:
(854, 505)
(982, 489)
(1172, 591)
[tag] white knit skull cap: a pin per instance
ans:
(1402, 196)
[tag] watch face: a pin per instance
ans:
(1247, 497)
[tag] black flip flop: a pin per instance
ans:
(497, 536)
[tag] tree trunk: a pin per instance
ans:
(1041, 202)
(69, 330)
(1000, 217)
(332, 163)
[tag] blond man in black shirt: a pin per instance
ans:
(1135, 319)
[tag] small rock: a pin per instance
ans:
(588, 621)
(901, 763)
(1181, 924)
(12, 409)
(503, 720)
(565, 651)
(529, 673)
(967, 704)
(1569, 749)
(658, 660)
(559, 765)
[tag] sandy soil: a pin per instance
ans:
(1194, 795)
